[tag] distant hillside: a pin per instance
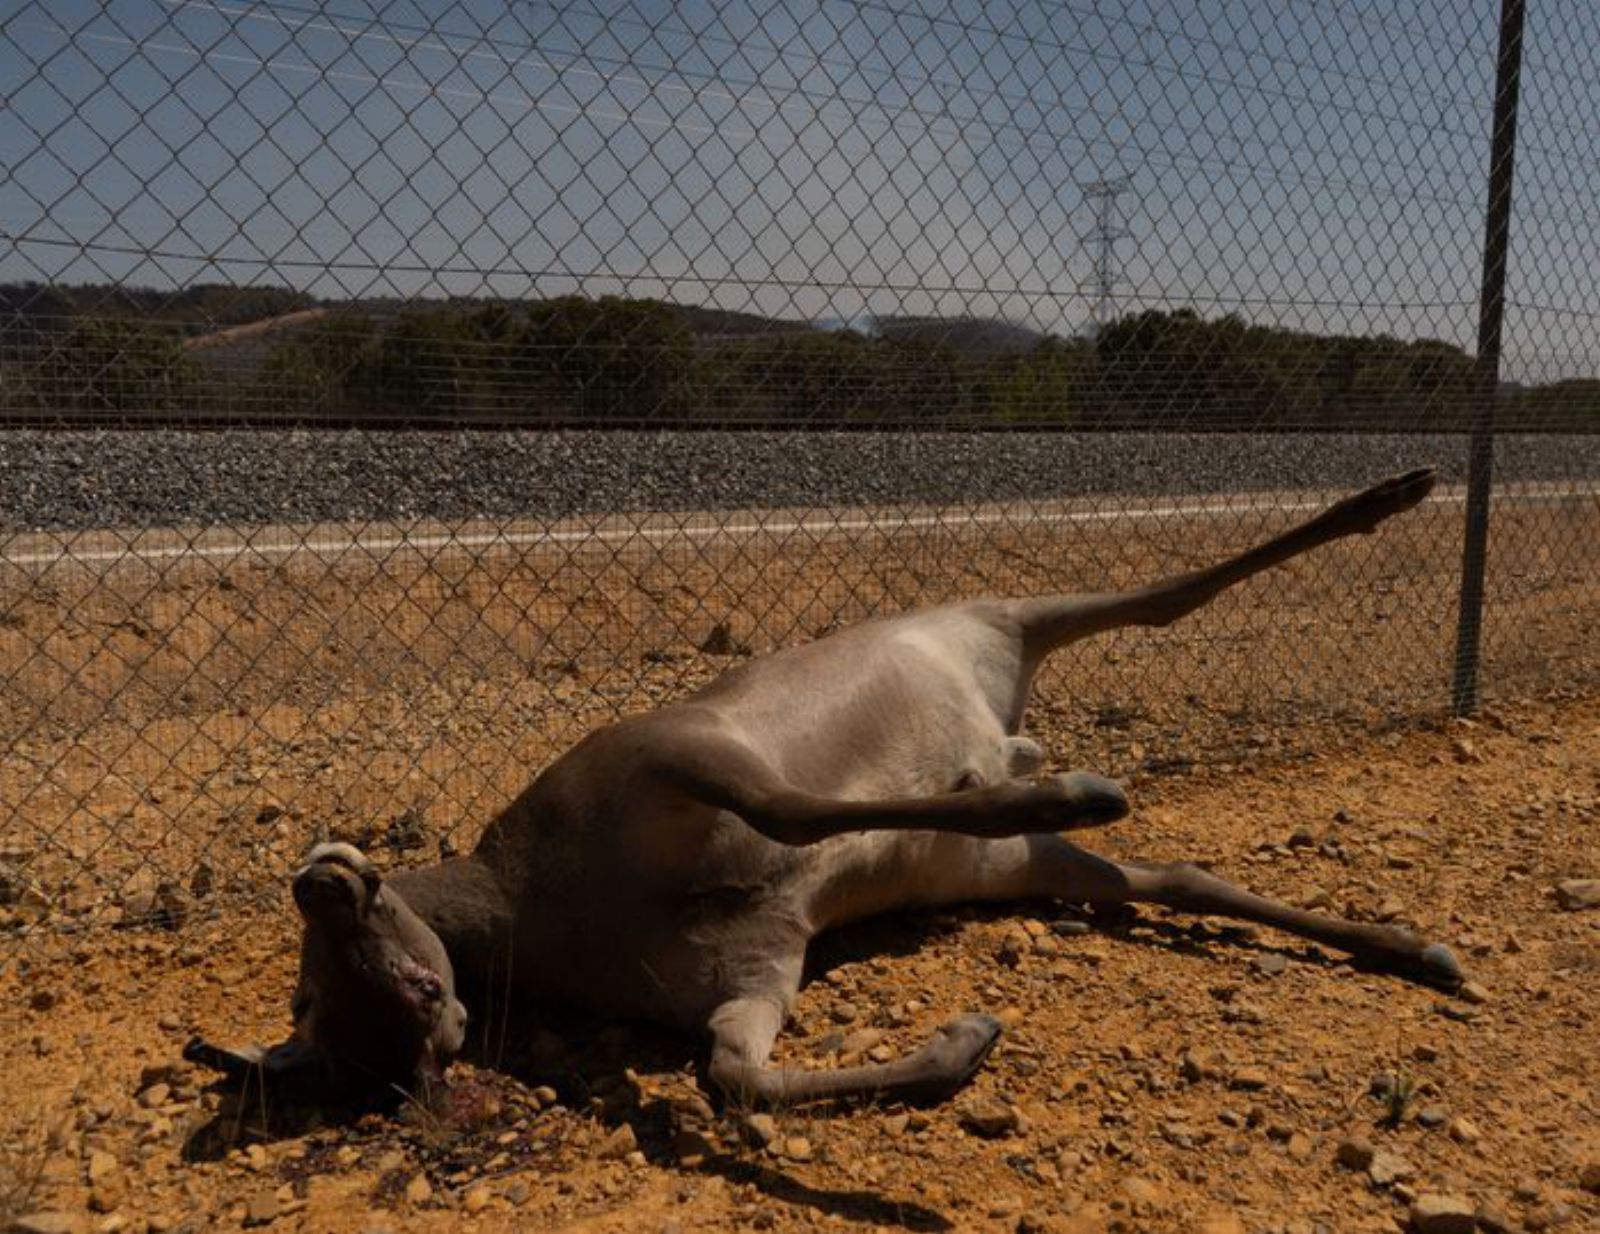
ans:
(726, 323)
(244, 348)
(35, 308)
(211, 309)
(973, 335)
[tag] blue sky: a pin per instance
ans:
(1316, 163)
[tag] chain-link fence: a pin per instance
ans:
(747, 321)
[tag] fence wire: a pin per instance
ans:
(392, 392)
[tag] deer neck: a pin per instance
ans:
(463, 902)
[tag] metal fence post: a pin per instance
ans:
(1464, 693)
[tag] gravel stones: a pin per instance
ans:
(164, 477)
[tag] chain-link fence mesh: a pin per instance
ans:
(746, 321)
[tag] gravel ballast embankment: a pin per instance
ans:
(70, 480)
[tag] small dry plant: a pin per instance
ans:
(23, 1158)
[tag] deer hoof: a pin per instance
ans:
(964, 1044)
(1088, 800)
(953, 1056)
(1438, 966)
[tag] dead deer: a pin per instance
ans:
(674, 866)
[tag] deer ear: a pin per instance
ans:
(291, 1070)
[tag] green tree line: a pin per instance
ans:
(614, 361)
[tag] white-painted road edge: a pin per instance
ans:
(703, 527)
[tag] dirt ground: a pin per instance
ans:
(1158, 1073)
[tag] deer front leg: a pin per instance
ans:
(1068, 802)
(722, 772)
(744, 1029)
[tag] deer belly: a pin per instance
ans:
(869, 873)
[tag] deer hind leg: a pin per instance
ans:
(1052, 621)
(743, 1031)
(1050, 866)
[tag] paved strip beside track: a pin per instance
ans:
(107, 550)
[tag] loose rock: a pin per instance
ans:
(1354, 1154)
(1552, 1216)
(762, 1129)
(46, 1223)
(987, 1116)
(1576, 894)
(1144, 1194)
(1386, 1168)
(618, 1144)
(692, 1146)
(101, 1166)
(107, 1186)
(1443, 1214)
(1493, 1220)
(1198, 1065)
(263, 1208)
(860, 1041)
